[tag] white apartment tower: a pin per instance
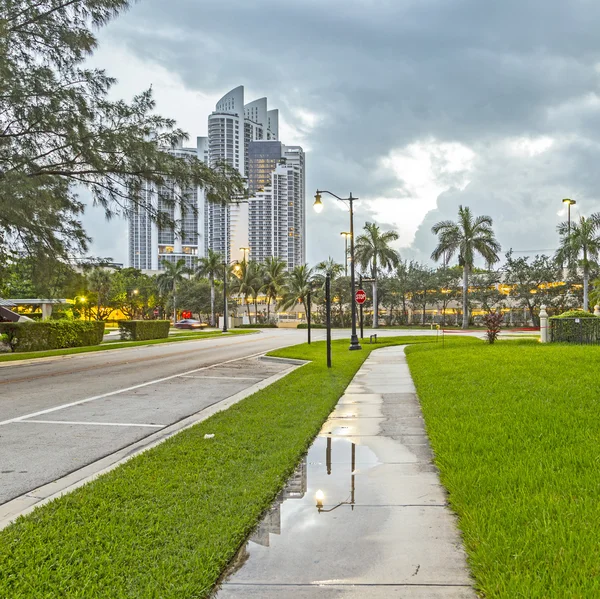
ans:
(149, 246)
(270, 223)
(277, 218)
(231, 128)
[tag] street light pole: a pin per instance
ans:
(318, 206)
(346, 235)
(569, 202)
(225, 297)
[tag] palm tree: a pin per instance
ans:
(273, 280)
(211, 266)
(297, 287)
(246, 281)
(469, 236)
(334, 270)
(584, 239)
(169, 279)
(373, 251)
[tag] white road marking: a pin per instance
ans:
(94, 423)
(119, 391)
(224, 378)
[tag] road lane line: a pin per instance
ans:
(93, 423)
(119, 391)
(222, 378)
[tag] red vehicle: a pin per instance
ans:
(190, 323)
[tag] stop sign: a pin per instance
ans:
(360, 296)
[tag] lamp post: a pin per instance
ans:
(225, 310)
(346, 235)
(318, 206)
(569, 203)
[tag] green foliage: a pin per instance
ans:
(266, 325)
(468, 237)
(575, 326)
(304, 325)
(60, 130)
(51, 334)
(514, 429)
(140, 330)
(575, 314)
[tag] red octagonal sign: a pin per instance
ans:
(360, 296)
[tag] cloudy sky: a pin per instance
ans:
(415, 106)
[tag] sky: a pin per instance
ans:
(414, 106)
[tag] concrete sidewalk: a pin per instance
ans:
(384, 528)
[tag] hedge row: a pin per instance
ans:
(256, 326)
(142, 330)
(51, 334)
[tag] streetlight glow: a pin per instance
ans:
(319, 497)
(318, 205)
(569, 201)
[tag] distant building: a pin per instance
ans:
(270, 223)
(151, 245)
(231, 128)
(277, 218)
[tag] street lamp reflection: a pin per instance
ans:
(320, 495)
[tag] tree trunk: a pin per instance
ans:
(174, 302)
(465, 322)
(212, 301)
(375, 305)
(586, 277)
(255, 310)
(248, 310)
(268, 309)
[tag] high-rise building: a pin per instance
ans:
(231, 128)
(270, 223)
(276, 182)
(149, 244)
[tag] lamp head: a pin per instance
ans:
(318, 205)
(569, 201)
(319, 497)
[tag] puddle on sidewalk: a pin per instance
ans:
(342, 494)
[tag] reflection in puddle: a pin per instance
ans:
(330, 467)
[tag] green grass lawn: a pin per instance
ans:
(516, 432)
(118, 344)
(167, 523)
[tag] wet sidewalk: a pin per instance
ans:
(364, 514)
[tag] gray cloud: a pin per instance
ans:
(381, 75)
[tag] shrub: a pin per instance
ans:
(312, 326)
(257, 326)
(142, 330)
(51, 334)
(575, 326)
(493, 322)
(575, 314)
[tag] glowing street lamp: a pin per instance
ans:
(569, 203)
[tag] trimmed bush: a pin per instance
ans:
(576, 314)
(256, 326)
(142, 330)
(575, 326)
(312, 326)
(51, 334)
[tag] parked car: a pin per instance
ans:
(190, 323)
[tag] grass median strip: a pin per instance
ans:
(118, 344)
(166, 523)
(516, 431)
